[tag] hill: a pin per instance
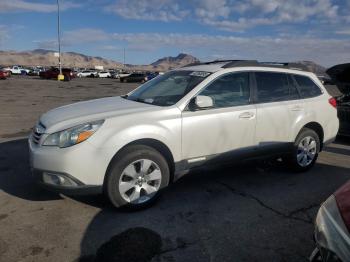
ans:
(42, 57)
(47, 58)
(174, 62)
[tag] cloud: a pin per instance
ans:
(283, 48)
(49, 44)
(229, 15)
(343, 32)
(324, 51)
(27, 6)
(85, 35)
(251, 13)
(153, 10)
(75, 37)
(4, 34)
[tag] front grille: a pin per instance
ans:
(37, 132)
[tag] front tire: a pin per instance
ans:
(305, 151)
(136, 176)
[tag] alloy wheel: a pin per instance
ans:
(140, 181)
(307, 150)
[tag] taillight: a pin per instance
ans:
(342, 197)
(333, 102)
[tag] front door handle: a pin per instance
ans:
(246, 115)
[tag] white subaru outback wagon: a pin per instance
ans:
(132, 146)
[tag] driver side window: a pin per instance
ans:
(229, 90)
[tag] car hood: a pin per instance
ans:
(82, 112)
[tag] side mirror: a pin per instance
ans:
(203, 102)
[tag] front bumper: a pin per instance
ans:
(79, 189)
(83, 165)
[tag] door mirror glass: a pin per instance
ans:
(203, 102)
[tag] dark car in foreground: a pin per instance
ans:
(134, 77)
(343, 106)
(332, 228)
(340, 75)
(53, 73)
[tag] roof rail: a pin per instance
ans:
(294, 66)
(241, 63)
(236, 63)
(216, 62)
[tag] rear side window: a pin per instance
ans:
(307, 87)
(274, 87)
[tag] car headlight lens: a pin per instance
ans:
(73, 136)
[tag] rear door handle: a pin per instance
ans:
(246, 115)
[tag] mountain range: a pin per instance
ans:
(44, 57)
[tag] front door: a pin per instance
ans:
(226, 127)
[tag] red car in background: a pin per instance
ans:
(3, 74)
(53, 73)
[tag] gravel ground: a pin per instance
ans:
(253, 212)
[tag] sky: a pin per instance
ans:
(266, 30)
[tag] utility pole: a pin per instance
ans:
(59, 41)
(124, 59)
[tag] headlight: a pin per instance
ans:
(73, 136)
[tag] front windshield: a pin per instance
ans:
(168, 89)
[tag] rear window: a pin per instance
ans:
(307, 87)
(274, 87)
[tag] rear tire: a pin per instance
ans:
(305, 151)
(136, 177)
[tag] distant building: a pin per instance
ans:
(98, 67)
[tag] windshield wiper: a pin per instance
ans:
(140, 100)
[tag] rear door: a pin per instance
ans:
(279, 108)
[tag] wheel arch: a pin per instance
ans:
(155, 144)
(318, 129)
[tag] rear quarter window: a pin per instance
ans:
(307, 87)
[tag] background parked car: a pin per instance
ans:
(87, 73)
(17, 70)
(35, 72)
(150, 76)
(332, 228)
(3, 74)
(120, 74)
(104, 74)
(54, 72)
(134, 77)
(6, 72)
